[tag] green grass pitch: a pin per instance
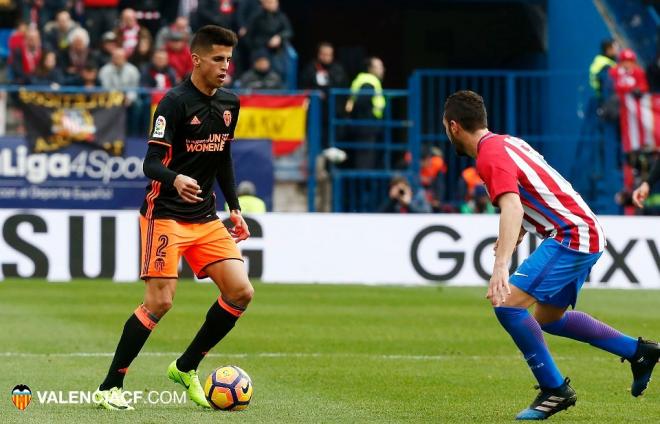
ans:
(348, 354)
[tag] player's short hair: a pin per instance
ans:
(209, 35)
(467, 108)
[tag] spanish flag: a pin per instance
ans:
(21, 396)
(280, 118)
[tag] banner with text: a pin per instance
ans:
(316, 248)
(57, 120)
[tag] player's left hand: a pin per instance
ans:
(498, 288)
(240, 231)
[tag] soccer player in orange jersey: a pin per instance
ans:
(189, 149)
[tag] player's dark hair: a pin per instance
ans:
(467, 108)
(209, 35)
(605, 45)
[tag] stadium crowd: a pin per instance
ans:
(126, 44)
(615, 74)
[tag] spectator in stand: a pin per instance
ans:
(89, 76)
(431, 176)
(122, 75)
(57, 33)
(37, 13)
(216, 12)
(627, 76)
(248, 199)
(100, 17)
(77, 55)
(245, 10)
(17, 36)
(142, 54)
(178, 55)
(367, 103)
(147, 12)
(270, 28)
(24, 59)
(261, 76)
(478, 202)
(158, 74)
(47, 73)
(402, 200)
(119, 74)
(180, 25)
(44, 11)
(129, 31)
(323, 73)
(108, 46)
(600, 66)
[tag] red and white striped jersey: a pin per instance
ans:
(552, 207)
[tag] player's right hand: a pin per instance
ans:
(640, 195)
(187, 188)
(498, 287)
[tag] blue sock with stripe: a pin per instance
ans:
(527, 334)
(579, 326)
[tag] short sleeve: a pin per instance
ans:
(164, 122)
(499, 173)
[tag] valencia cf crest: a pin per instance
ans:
(21, 396)
(226, 115)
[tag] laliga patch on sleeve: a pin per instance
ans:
(159, 127)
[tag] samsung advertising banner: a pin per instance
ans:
(59, 245)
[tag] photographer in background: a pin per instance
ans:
(403, 200)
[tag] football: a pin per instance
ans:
(229, 388)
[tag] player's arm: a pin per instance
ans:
(154, 168)
(159, 153)
(511, 216)
(642, 192)
(227, 182)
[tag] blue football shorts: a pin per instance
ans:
(554, 274)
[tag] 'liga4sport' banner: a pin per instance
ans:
(280, 118)
(57, 120)
(640, 123)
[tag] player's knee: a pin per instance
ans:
(161, 306)
(245, 295)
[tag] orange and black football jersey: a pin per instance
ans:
(197, 129)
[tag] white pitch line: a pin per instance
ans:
(291, 355)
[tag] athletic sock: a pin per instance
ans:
(585, 328)
(527, 335)
(136, 332)
(220, 319)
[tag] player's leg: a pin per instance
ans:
(527, 335)
(160, 261)
(214, 254)
(528, 285)
(580, 326)
(235, 294)
(158, 297)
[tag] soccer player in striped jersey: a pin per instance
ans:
(534, 198)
